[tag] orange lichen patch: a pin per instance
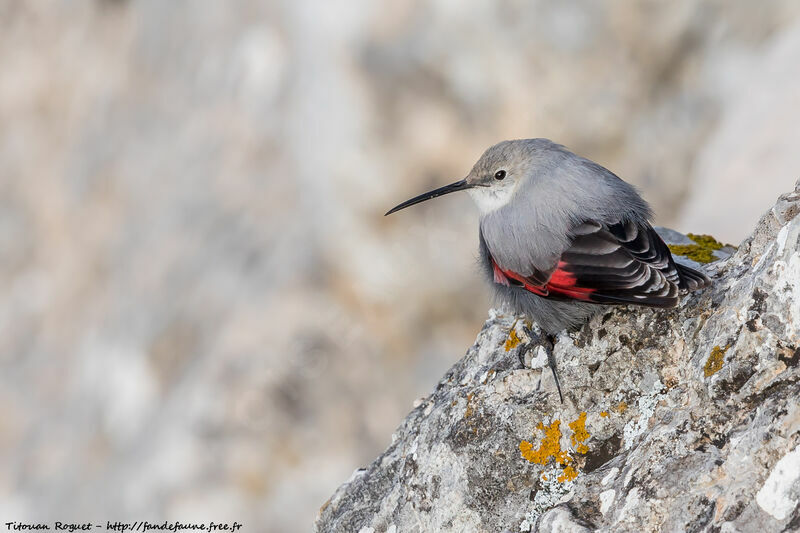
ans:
(550, 446)
(622, 407)
(715, 361)
(579, 434)
(603, 414)
(512, 341)
(569, 474)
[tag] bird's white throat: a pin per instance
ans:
(491, 198)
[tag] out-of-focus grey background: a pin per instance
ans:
(204, 314)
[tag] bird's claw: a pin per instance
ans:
(547, 342)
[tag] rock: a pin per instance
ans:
(682, 420)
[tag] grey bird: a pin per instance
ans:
(561, 236)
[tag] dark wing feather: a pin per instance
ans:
(692, 279)
(624, 263)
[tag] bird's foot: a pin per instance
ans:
(547, 343)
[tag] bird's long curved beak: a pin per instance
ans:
(460, 185)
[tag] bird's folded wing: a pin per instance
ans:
(611, 264)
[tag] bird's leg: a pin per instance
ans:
(547, 342)
(551, 362)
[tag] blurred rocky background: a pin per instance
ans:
(204, 314)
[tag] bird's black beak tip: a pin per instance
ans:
(447, 189)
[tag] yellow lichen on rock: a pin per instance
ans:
(715, 361)
(512, 341)
(550, 446)
(569, 474)
(579, 434)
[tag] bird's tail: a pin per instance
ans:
(692, 279)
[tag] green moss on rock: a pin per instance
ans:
(702, 252)
(706, 240)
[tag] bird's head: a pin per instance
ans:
(495, 178)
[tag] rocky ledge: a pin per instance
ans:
(685, 420)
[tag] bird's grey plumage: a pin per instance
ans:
(558, 195)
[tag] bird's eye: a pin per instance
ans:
(500, 174)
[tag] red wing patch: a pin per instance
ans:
(561, 278)
(561, 282)
(565, 283)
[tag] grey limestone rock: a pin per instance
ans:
(681, 420)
